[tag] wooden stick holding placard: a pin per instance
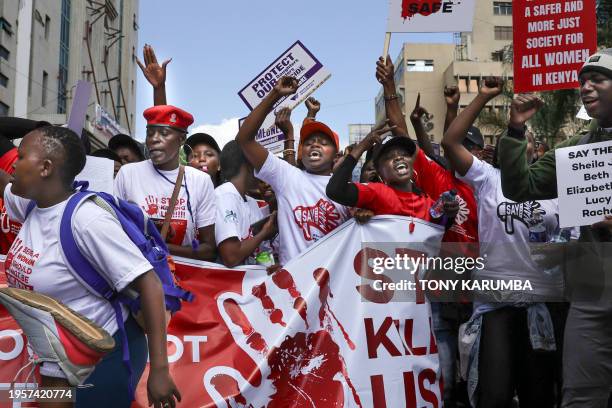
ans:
(387, 44)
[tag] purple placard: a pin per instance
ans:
(316, 67)
(78, 111)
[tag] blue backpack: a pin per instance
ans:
(143, 233)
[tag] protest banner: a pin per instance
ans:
(297, 61)
(584, 183)
(552, 39)
(271, 138)
(430, 16)
(315, 333)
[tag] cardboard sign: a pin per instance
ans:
(430, 16)
(552, 40)
(298, 62)
(272, 138)
(584, 183)
(98, 172)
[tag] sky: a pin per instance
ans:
(217, 47)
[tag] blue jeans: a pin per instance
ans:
(446, 337)
(110, 377)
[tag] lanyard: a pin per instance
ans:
(194, 243)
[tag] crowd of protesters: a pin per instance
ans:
(237, 204)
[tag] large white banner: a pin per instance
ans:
(584, 183)
(430, 16)
(318, 341)
(315, 334)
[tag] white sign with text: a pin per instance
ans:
(427, 16)
(584, 183)
(298, 62)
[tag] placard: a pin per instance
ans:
(430, 16)
(552, 40)
(298, 62)
(584, 183)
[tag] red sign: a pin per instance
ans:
(552, 40)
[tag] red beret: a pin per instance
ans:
(168, 115)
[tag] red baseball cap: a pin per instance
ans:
(311, 127)
(168, 115)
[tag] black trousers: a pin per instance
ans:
(508, 364)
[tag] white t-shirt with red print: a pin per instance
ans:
(35, 260)
(235, 215)
(503, 229)
(152, 189)
(305, 213)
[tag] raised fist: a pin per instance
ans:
(283, 121)
(313, 106)
(451, 95)
(491, 87)
(286, 86)
(523, 108)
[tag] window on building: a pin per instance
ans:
(462, 83)
(47, 27)
(503, 33)
(420, 66)
(4, 109)
(4, 53)
(45, 82)
(62, 78)
(135, 23)
(502, 8)
(473, 85)
(6, 26)
(498, 55)
(3, 80)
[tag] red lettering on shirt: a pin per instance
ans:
(19, 264)
(322, 216)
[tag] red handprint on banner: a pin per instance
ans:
(151, 207)
(304, 369)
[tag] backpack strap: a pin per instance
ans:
(170, 209)
(84, 271)
(77, 263)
